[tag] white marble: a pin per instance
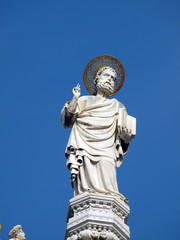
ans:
(17, 233)
(100, 136)
(96, 216)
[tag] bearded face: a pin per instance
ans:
(105, 81)
(21, 235)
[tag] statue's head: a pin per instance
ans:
(105, 80)
(17, 233)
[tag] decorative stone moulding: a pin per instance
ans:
(97, 217)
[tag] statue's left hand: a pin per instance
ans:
(125, 134)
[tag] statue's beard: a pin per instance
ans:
(105, 88)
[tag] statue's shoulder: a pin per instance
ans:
(84, 99)
(83, 102)
(118, 103)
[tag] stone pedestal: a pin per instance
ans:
(97, 217)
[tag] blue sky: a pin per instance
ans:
(44, 49)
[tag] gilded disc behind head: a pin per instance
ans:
(99, 62)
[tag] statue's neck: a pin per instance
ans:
(101, 94)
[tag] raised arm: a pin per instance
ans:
(72, 106)
(68, 113)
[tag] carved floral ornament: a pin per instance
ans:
(94, 66)
(88, 234)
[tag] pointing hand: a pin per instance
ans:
(76, 91)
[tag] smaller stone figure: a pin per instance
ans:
(17, 233)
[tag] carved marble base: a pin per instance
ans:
(97, 217)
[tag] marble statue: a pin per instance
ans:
(17, 233)
(100, 136)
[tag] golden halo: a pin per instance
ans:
(99, 62)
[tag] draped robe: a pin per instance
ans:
(95, 148)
